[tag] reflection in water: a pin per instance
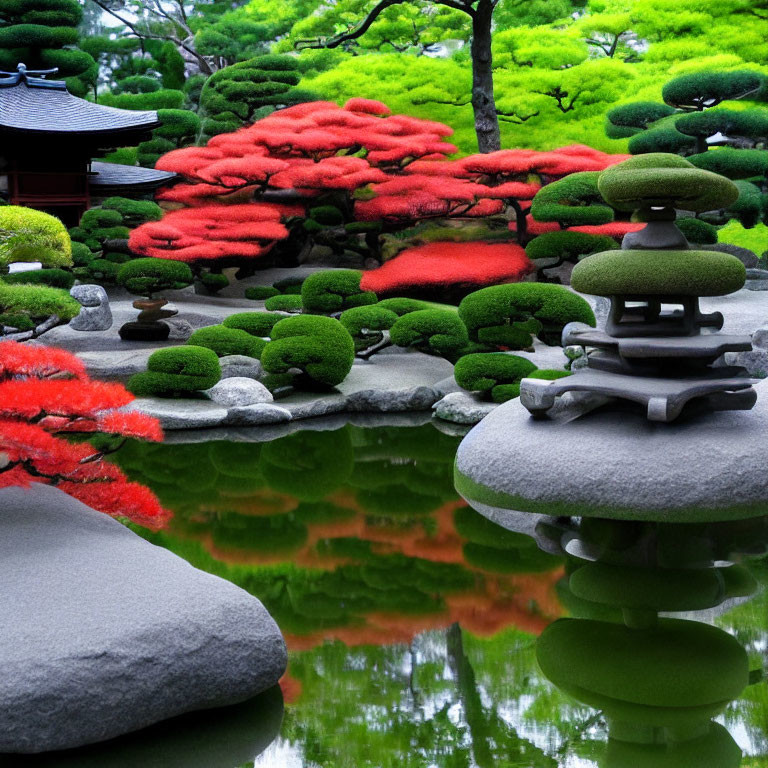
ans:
(219, 738)
(412, 620)
(658, 680)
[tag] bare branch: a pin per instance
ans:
(513, 117)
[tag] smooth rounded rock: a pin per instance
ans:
(104, 633)
(237, 391)
(616, 464)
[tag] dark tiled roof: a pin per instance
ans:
(113, 176)
(55, 110)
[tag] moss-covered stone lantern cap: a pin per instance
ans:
(659, 273)
(660, 180)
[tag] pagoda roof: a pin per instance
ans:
(108, 178)
(32, 105)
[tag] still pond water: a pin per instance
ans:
(412, 621)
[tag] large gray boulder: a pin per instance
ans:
(95, 314)
(616, 464)
(104, 633)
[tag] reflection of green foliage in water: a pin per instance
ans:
(414, 706)
(494, 549)
(308, 465)
(402, 471)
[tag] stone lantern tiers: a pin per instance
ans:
(658, 347)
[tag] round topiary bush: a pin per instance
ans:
(55, 278)
(435, 331)
(287, 303)
(255, 323)
(289, 285)
(496, 374)
(571, 201)
(227, 341)
(511, 315)
(31, 304)
(146, 277)
(261, 292)
(334, 291)
(319, 346)
(30, 235)
(213, 282)
(401, 306)
(557, 247)
(365, 324)
(176, 372)
(696, 231)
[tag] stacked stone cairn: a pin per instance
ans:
(658, 347)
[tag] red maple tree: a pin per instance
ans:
(45, 394)
(247, 191)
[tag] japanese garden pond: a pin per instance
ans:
(412, 621)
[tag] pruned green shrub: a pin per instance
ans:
(557, 247)
(572, 201)
(146, 277)
(511, 315)
(699, 90)
(213, 282)
(255, 323)
(319, 346)
(432, 330)
(334, 291)
(82, 255)
(261, 292)
(30, 235)
(496, 375)
(661, 139)
(733, 163)
(101, 271)
(696, 231)
(287, 303)
(55, 278)
(134, 212)
(177, 372)
(637, 116)
(401, 306)
(289, 285)
(365, 324)
(227, 341)
(36, 303)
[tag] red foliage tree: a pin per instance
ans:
(46, 393)
(440, 265)
(383, 171)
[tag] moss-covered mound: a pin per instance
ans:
(676, 672)
(177, 372)
(659, 273)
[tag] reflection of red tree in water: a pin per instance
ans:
(495, 602)
(44, 394)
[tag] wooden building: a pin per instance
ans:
(49, 139)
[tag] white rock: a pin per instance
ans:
(239, 391)
(180, 414)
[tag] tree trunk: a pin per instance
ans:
(483, 103)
